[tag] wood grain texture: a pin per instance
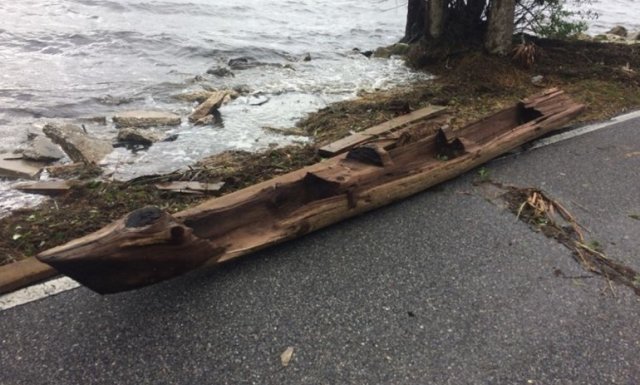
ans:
(151, 245)
(372, 133)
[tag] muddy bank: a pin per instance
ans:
(471, 84)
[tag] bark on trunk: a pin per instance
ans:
(500, 28)
(414, 29)
(435, 15)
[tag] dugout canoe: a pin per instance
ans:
(150, 245)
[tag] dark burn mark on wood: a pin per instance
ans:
(370, 154)
(143, 217)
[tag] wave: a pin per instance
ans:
(104, 42)
(110, 5)
(159, 7)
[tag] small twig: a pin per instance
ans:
(520, 209)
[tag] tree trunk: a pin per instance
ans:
(434, 18)
(500, 29)
(414, 29)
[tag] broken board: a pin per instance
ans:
(17, 168)
(190, 187)
(394, 124)
(49, 187)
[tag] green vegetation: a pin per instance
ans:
(484, 174)
(552, 18)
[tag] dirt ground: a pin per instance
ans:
(604, 76)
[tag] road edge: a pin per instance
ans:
(22, 274)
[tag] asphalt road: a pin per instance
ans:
(446, 287)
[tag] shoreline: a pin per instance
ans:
(468, 92)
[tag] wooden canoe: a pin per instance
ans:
(150, 245)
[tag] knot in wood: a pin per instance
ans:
(143, 217)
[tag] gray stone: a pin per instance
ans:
(208, 106)
(111, 100)
(583, 36)
(243, 63)
(394, 49)
(537, 80)
(171, 138)
(100, 120)
(13, 168)
(205, 121)
(220, 72)
(201, 96)
(635, 36)
(616, 38)
(618, 30)
(75, 142)
(143, 119)
(209, 120)
(242, 89)
(139, 136)
(194, 96)
(43, 150)
(609, 37)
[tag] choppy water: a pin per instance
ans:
(614, 12)
(72, 58)
(64, 59)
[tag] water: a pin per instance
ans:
(73, 58)
(64, 59)
(614, 12)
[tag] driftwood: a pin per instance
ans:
(351, 141)
(12, 167)
(190, 187)
(49, 187)
(150, 245)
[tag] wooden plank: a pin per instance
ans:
(347, 143)
(190, 187)
(150, 245)
(49, 187)
(15, 168)
(22, 273)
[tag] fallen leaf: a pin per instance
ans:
(286, 356)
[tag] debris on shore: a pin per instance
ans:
(150, 245)
(77, 144)
(146, 119)
(471, 85)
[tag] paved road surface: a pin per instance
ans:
(444, 288)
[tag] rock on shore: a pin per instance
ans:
(144, 137)
(75, 142)
(41, 149)
(618, 30)
(208, 106)
(18, 168)
(195, 96)
(144, 119)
